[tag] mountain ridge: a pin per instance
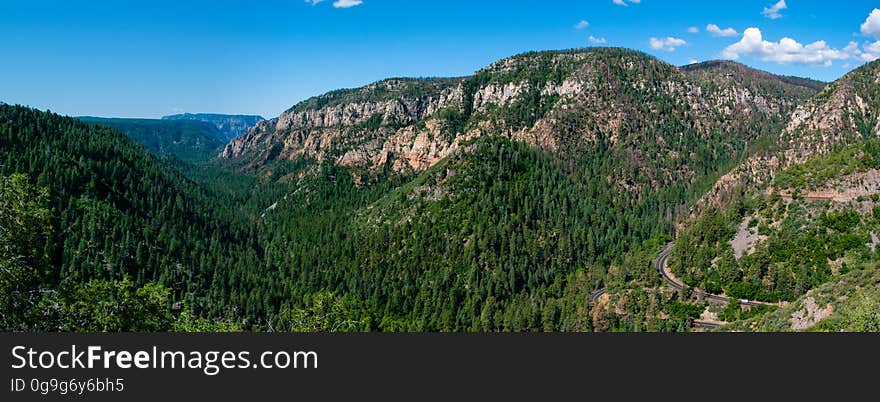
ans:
(844, 111)
(495, 202)
(187, 140)
(231, 125)
(416, 130)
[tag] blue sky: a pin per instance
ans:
(152, 58)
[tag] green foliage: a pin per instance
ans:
(500, 237)
(700, 244)
(531, 107)
(188, 321)
(120, 212)
(817, 171)
(24, 230)
(852, 295)
(498, 250)
(112, 306)
(800, 246)
(716, 73)
(187, 140)
(389, 89)
(843, 222)
(24, 221)
(228, 126)
(513, 227)
(793, 259)
(735, 312)
(683, 311)
(538, 67)
(859, 314)
(374, 122)
(326, 313)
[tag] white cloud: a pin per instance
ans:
(668, 44)
(717, 31)
(871, 27)
(786, 51)
(868, 52)
(596, 40)
(772, 12)
(852, 48)
(624, 2)
(338, 3)
(694, 30)
(693, 61)
(582, 24)
(871, 51)
(346, 3)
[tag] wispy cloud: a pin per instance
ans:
(668, 44)
(598, 41)
(338, 3)
(346, 3)
(772, 11)
(871, 51)
(583, 24)
(624, 2)
(717, 31)
(694, 30)
(786, 51)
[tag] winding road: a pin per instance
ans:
(660, 264)
(597, 294)
(675, 283)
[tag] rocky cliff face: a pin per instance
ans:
(560, 101)
(843, 112)
(846, 111)
(364, 128)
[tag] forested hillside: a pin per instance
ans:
(229, 126)
(598, 152)
(187, 140)
(114, 226)
(495, 202)
(801, 230)
(842, 113)
(808, 243)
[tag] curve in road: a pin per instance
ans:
(660, 265)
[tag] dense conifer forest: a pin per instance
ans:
(115, 225)
(104, 229)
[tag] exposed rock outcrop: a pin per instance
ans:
(551, 100)
(843, 112)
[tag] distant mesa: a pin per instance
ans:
(229, 125)
(188, 137)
